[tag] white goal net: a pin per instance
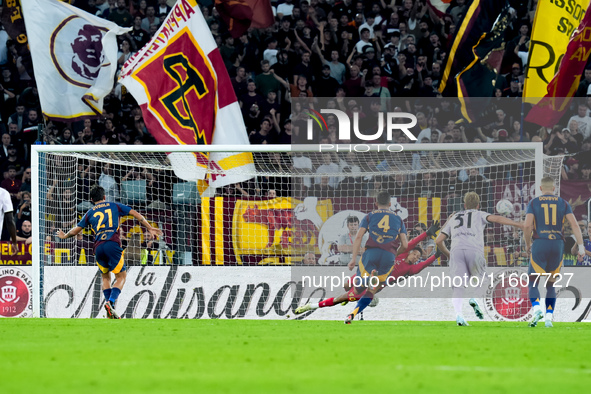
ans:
(298, 207)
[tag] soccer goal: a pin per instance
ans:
(292, 207)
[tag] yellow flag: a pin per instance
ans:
(554, 24)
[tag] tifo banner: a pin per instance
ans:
(565, 83)
(554, 23)
(74, 54)
(576, 193)
(282, 230)
(22, 257)
(183, 88)
(269, 293)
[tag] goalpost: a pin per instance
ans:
(283, 216)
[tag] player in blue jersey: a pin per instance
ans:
(545, 218)
(384, 228)
(104, 219)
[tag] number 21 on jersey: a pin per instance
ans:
(101, 217)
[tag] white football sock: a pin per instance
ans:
(457, 300)
(549, 316)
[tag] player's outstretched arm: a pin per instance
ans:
(416, 268)
(504, 221)
(440, 242)
(572, 220)
(356, 248)
(403, 244)
(155, 232)
(72, 233)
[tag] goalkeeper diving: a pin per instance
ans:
(405, 264)
(384, 228)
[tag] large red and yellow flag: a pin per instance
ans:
(564, 85)
(554, 24)
(186, 96)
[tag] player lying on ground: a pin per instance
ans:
(104, 220)
(545, 217)
(466, 259)
(405, 264)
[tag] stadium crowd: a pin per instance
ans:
(344, 49)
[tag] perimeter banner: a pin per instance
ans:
(254, 293)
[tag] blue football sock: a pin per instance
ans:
(534, 294)
(550, 299)
(114, 294)
(107, 293)
(362, 304)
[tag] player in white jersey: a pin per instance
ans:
(7, 218)
(466, 259)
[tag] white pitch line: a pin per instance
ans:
(464, 368)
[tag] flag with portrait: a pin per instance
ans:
(74, 58)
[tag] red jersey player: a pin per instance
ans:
(405, 265)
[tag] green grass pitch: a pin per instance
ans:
(247, 356)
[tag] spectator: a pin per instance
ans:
(309, 259)
(13, 160)
(301, 89)
(271, 104)
(250, 98)
(270, 54)
(322, 189)
(163, 9)
(121, 15)
(560, 142)
(239, 82)
(583, 121)
(126, 50)
(328, 166)
(23, 212)
(139, 35)
(264, 135)
(266, 81)
(66, 138)
(572, 172)
(326, 85)
(108, 182)
(24, 232)
(26, 180)
(19, 117)
(364, 41)
(12, 185)
(151, 19)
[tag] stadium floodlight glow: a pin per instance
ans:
(201, 231)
